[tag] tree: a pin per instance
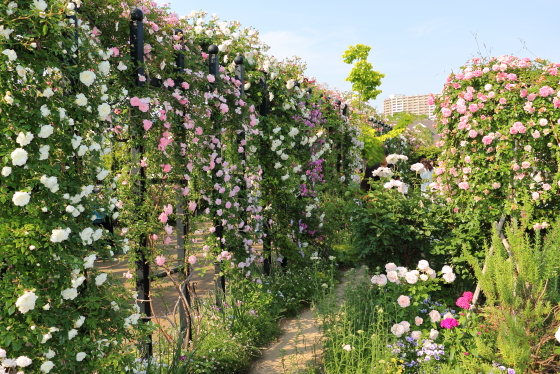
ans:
(364, 79)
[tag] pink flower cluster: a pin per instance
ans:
(465, 300)
(517, 128)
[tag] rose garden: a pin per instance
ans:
(175, 146)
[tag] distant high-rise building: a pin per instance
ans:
(413, 104)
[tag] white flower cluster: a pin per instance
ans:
(382, 172)
(401, 186)
(394, 158)
(50, 182)
(88, 235)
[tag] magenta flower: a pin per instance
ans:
(449, 323)
(468, 296)
(463, 303)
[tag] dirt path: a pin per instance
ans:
(299, 347)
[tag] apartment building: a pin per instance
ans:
(413, 104)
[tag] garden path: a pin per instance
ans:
(299, 347)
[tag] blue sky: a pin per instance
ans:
(416, 44)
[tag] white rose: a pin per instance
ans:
(100, 279)
(72, 333)
(19, 157)
(59, 235)
(69, 294)
(87, 77)
(290, 84)
(76, 141)
(44, 152)
(89, 260)
(23, 361)
(45, 131)
(82, 151)
(434, 334)
(9, 99)
(50, 182)
(21, 198)
(6, 170)
(102, 174)
(26, 302)
(50, 354)
(104, 110)
(105, 67)
(80, 356)
(47, 366)
(45, 112)
(24, 139)
(79, 322)
(77, 282)
(121, 66)
(48, 92)
(12, 55)
(416, 335)
(81, 100)
(97, 234)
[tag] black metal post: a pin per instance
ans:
(308, 91)
(240, 73)
(240, 76)
(142, 265)
(219, 278)
(264, 108)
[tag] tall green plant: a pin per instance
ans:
(521, 287)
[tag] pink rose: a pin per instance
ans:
(487, 140)
(211, 78)
(418, 321)
(449, 277)
(446, 112)
(435, 316)
(390, 266)
(546, 91)
(403, 301)
(473, 133)
(192, 260)
(147, 124)
(464, 185)
(160, 260)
